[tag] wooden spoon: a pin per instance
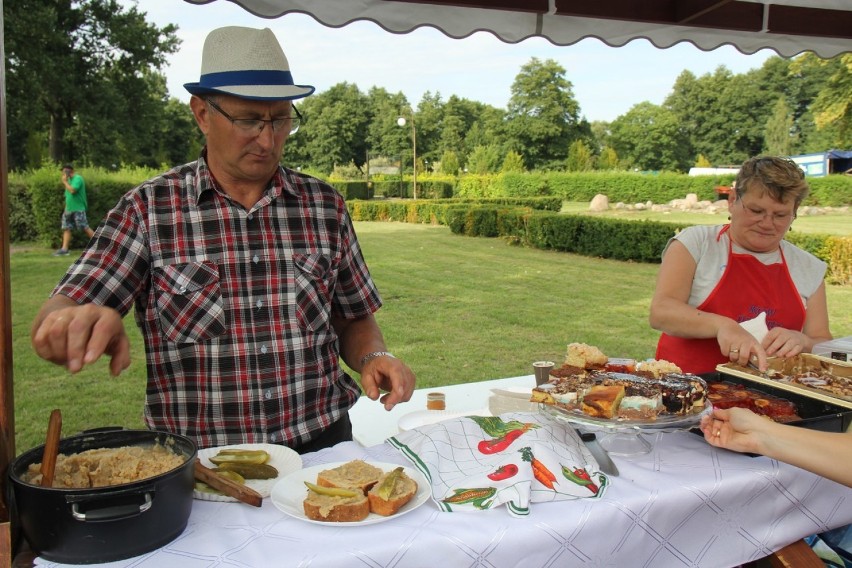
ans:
(227, 486)
(51, 448)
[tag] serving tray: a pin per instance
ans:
(780, 371)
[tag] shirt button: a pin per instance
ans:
(182, 289)
(255, 259)
(268, 395)
(250, 216)
(263, 349)
(259, 304)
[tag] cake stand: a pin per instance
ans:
(623, 437)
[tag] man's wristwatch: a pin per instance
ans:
(370, 356)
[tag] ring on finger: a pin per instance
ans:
(735, 351)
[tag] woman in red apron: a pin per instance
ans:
(753, 276)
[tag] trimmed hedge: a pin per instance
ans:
(45, 201)
(520, 207)
(638, 241)
(630, 187)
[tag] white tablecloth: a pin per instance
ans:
(683, 504)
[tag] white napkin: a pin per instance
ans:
(477, 463)
(756, 326)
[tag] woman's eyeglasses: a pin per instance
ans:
(254, 126)
(756, 214)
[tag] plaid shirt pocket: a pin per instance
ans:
(313, 300)
(189, 301)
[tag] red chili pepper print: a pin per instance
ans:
(499, 444)
(503, 472)
(581, 477)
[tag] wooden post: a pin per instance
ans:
(7, 400)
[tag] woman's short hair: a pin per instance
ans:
(780, 177)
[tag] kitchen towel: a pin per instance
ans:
(481, 462)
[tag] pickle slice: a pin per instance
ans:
(241, 456)
(332, 491)
(385, 490)
(250, 470)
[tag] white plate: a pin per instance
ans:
(281, 458)
(425, 417)
(523, 393)
(498, 404)
(289, 493)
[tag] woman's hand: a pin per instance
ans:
(736, 429)
(740, 346)
(781, 342)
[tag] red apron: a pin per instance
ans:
(747, 287)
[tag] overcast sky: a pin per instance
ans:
(606, 81)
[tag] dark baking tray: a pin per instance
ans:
(816, 414)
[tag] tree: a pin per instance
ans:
(608, 160)
(384, 136)
(580, 158)
(484, 160)
(703, 162)
(450, 163)
(833, 105)
(335, 127)
(778, 137)
(64, 57)
(651, 137)
(512, 163)
(542, 115)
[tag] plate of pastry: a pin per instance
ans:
(613, 400)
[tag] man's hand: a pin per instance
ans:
(72, 335)
(387, 374)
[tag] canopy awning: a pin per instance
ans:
(788, 27)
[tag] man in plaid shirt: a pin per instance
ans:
(247, 278)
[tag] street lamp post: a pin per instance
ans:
(401, 122)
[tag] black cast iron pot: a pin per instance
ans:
(103, 524)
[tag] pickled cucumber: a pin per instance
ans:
(241, 456)
(250, 470)
(385, 490)
(332, 491)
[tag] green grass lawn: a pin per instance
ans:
(457, 309)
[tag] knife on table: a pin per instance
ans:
(600, 454)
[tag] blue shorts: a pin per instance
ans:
(74, 220)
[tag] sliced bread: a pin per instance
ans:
(356, 474)
(392, 491)
(337, 509)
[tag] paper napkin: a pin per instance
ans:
(481, 462)
(756, 326)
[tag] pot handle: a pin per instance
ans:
(110, 512)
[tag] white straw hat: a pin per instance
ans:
(246, 63)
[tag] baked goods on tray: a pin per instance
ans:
(805, 373)
(725, 394)
(353, 490)
(602, 388)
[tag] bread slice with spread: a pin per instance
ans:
(335, 504)
(393, 490)
(351, 475)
